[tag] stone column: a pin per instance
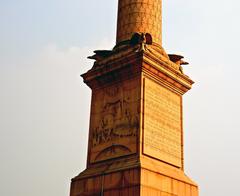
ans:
(135, 144)
(143, 16)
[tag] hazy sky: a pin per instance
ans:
(44, 105)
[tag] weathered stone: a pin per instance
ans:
(136, 134)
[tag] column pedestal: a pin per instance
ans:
(136, 134)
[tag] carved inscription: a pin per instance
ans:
(162, 123)
(114, 121)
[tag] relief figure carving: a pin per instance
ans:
(117, 121)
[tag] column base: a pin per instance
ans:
(132, 180)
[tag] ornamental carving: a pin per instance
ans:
(115, 121)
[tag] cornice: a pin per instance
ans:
(129, 61)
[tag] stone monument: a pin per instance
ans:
(135, 144)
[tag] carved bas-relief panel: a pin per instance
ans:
(114, 121)
(162, 123)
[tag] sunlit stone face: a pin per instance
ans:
(139, 16)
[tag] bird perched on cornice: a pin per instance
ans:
(100, 54)
(178, 60)
(141, 38)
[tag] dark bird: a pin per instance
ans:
(139, 38)
(178, 60)
(100, 54)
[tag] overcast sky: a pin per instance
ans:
(44, 105)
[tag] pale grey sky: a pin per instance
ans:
(44, 105)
